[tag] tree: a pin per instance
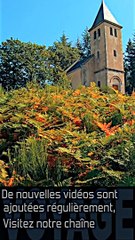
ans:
(84, 45)
(130, 66)
(80, 48)
(63, 54)
(22, 62)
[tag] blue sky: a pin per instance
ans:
(44, 21)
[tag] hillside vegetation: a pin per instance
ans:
(60, 137)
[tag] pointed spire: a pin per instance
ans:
(104, 15)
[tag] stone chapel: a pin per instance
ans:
(105, 65)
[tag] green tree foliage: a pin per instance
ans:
(22, 62)
(63, 54)
(130, 66)
(84, 45)
(80, 47)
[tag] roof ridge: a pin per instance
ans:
(72, 65)
(104, 14)
(78, 64)
(103, 3)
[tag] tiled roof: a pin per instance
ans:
(104, 14)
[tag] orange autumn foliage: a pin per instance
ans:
(45, 109)
(76, 92)
(130, 122)
(72, 125)
(8, 183)
(77, 121)
(106, 127)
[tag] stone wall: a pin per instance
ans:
(76, 78)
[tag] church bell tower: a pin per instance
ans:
(106, 47)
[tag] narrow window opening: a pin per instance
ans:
(115, 53)
(115, 32)
(95, 35)
(84, 77)
(99, 84)
(98, 54)
(111, 31)
(99, 33)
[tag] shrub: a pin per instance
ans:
(62, 137)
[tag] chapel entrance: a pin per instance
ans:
(115, 83)
(115, 87)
